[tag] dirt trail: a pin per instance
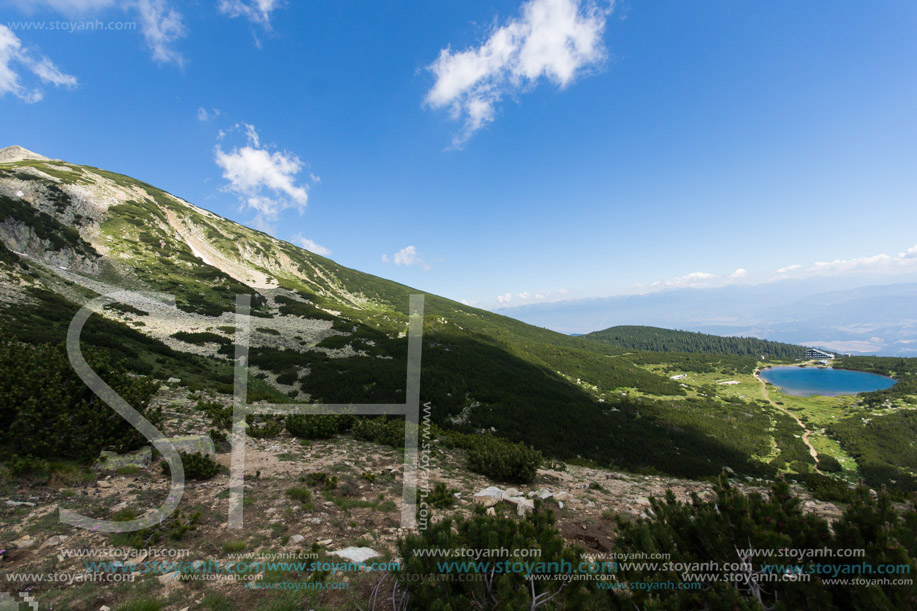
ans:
(805, 435)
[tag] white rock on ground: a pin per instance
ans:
(55, 541)
(192, 444)
(356, 554)
(24, 542)
(523, 506)
(489, 496)
(170, 580)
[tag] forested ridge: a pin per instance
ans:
(656, 339)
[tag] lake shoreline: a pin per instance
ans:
(805, 381)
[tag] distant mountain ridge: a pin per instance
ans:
(840, 314)
(656, 339)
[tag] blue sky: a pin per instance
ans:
(528, 150)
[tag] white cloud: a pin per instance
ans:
(694, 279)
(263, 180)
(162, 26)
(844, 265)
(875, 264)
(554, 39)
(49, 73)
(204, 115)
(881, 263)
(526, 297)
(252, 134)
(256, 11)
(407, 256)
(309, 245)
(14, 58)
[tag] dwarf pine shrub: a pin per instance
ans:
(503, 460)
(47, 411)
(196, 466)
(319, 426)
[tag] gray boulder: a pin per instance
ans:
(192, 444)
(489, 496)
(109, 461)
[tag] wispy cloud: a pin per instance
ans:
(206, 115)
(694, 279)
(162, 26)
(256, 11)
(552, 39)
(408, 257)
(264, 181)
(881, 263)
(876, 264)
(15, 58)
(844, 265)
(525, 297)
(309, 245)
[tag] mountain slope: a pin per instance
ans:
(323, 332)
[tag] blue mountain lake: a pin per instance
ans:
(806, 381)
